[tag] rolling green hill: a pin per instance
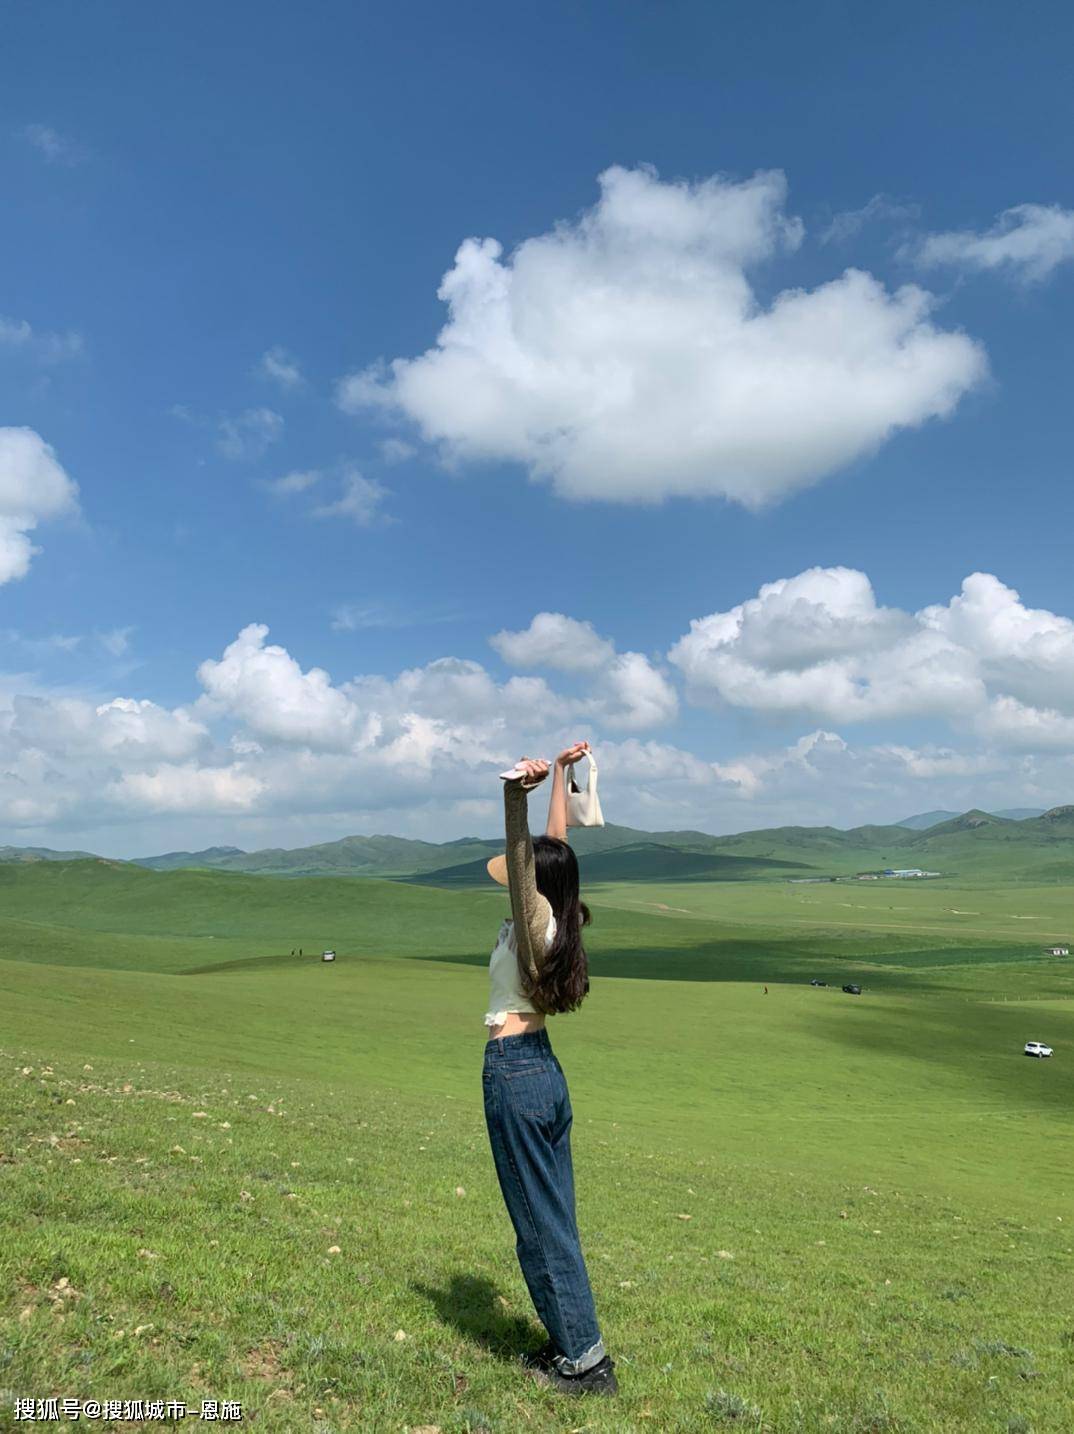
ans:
(107, 896)
(39, 853)
(177, 860)
(923, 820)
(972, 843)
(353, 856)
(401, 856)
(639, 861)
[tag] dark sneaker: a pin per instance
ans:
(598, 1379)
(540, 1359)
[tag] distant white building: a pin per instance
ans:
(1058, 950)
(909, 871)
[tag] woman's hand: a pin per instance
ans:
(570, 755)
(557, 806)
(536, 769)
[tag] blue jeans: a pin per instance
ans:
(528, 1113)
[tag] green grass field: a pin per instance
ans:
(228, 1173)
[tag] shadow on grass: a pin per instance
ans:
(252, 963)
(651, 864)
(889, 964)
(469, 1303)
(783, 963)
(985, 1047)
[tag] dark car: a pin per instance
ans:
(815, 982)
(852, 990)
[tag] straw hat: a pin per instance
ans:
(496, 867)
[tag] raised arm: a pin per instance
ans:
(557, 805)
(529, 908)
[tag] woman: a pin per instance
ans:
(537, 968)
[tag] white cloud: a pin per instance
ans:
(188, 788)
(270, 741)
(818, 779)
(626, 356)
(628, 691)
(1026, 242)
(637, 697)
(1027, 652)
(266, 689)
(33, 489)
(116, 640)
(18, 335)
(279, 366)
(125, 730)
(395, 450)
(360, 617)
(248, 435)
(456, 691)
(16, 550)
(296, 482)
(352, 617)
(634, 695)
(15, 333)
(849, 222)
(43, 646)
(554, 640)
(819, 644)
(1016, 726)
(53, 146)
(359, 500)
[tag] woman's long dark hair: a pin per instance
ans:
(563, 983)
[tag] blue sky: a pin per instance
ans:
(223, 225)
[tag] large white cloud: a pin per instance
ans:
(819, 645)
(626, 356)
(62, 754)
(1027, 652)
(266, 689)
(33, 488)
(125, 730)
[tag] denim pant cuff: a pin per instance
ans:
(593, 1355)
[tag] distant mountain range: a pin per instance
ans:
(953, 843)
(924, 820)
(40, 853)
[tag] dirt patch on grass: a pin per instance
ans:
(263, 1362)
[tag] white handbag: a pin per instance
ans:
(583, 808)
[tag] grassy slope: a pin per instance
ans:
(864, 1249)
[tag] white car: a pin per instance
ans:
(331, 956)
(1037, 1048)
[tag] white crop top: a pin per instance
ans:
(504, 993)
